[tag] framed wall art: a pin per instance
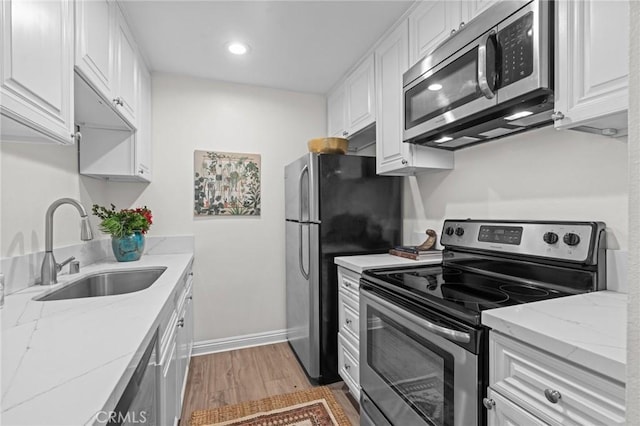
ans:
(226, 184)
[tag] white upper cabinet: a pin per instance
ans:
(36, 72)
(126, 62)
(592, 66)
(360, 96)
(394, 157)
(95, 44)
(431, 23)
(351, 105)
(476, 7)
(337, 112)
(143, 135)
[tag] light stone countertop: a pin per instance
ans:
(363, 262)
(587, 329)
(65, 361)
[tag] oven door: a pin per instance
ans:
(411, 372)
(458, 87)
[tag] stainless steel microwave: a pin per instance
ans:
(491, 79)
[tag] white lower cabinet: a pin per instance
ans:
(348, 329)
(503, 412)
(176, 343)
(529, 386)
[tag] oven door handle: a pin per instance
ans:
(447, 333)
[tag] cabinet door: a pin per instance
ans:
(592, 64)
(430, 24)
(360, 92)
(392, 60)
(95, 44)
(476, 7)
(36, 71)
(506, 413)
(143, 134)
(169, 385)
(126, 71)
(336, 112)
(393, 156)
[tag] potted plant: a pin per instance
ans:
(127, 228)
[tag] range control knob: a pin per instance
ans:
(550, 238)
(571, 239)
(449, 230)
(459, 231)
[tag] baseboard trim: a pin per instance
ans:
(206, 347)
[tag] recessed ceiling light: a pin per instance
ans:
(435, 87)
(237, 48)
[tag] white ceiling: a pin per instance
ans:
(303, 46)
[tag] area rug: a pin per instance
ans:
(310, 407)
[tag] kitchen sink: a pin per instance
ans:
(105, 284)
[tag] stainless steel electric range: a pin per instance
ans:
(423, 349)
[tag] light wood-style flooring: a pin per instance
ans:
(248, 374)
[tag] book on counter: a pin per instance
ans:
(411, 252)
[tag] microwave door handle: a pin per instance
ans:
(447, 333)
(483, 83)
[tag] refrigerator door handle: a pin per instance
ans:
(305, 274)
(305, 169)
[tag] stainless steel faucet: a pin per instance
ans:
(50, 269)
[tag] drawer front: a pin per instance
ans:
(349, 366)
(506, 413)
(553, 389)
(349, 282)
(348, 317)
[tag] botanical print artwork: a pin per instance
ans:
(226, 184)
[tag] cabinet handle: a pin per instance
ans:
(461, 25)
(190, 274)
(347, 284)
(557, 116)
(404, 162)
(347, 367)
(180, 323)
(190, 297)
(345, 133)
(553, 396)
(141, 171)
(118, 101)
(348, 321)
(453, 31)
(488, 403)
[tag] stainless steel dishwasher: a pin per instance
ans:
(138, 403)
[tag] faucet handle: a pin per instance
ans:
(60, 265)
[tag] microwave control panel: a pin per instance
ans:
(516, 50)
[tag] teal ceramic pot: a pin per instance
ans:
(128, 248)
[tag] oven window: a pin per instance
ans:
(454, 85)
(417, 370)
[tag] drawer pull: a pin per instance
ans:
(348, 321)
(347, 367)
(488, 403)
(347, 284)
(553, 396)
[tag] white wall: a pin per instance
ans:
(542, 174)
(239, 261)
(32, 177)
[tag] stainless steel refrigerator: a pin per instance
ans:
(336, 205)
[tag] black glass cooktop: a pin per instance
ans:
(457, 292)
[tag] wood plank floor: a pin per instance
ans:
(248, 374)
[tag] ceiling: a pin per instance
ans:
(303, 46)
